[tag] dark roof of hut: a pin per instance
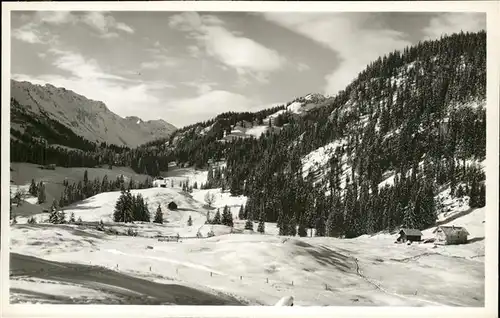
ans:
(411, 232)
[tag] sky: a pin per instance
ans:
(185, 67)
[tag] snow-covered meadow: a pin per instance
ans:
(257, 268)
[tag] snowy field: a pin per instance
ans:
(254, 268)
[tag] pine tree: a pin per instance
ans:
(159, 215)
(249, 224)
(128, 207)
(119, 206)
(190, 221)
(292, 227)
(227, 217)
(53, 216)
(33, 189)
(261, 226)
(72, 218)
(241, 213)
(302, 231)
(217, 218)
(320, 226)
(41, 193)
(61, 217)
(409, 218)
(330, 225)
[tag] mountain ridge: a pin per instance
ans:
(87, 118)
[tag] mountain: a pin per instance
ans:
(86, 118)
(373, 157)
(378, 155)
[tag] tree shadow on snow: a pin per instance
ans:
(454, 217)
(327, 257)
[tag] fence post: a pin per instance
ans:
(267, 280)
(241, 277)
(149, 268)
(210, 274)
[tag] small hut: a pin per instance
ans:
(447, 235)
(172, 206)
(412, 235)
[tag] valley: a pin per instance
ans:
(341, 200)
(254, 268)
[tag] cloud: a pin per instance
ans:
(56, 17)
(448, 23)
(160, 62)
(244, 55)
(122, 26)
(34, 32)
(348, 35)
(194, 51)
(122, 95)
(302, 67)
(202, 87)
(29, 34)
(79, 66)
(205, 106)
(160, 58)
(104, 23)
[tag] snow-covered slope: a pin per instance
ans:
(87, 118)
(261, 269)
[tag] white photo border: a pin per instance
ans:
(491, 8)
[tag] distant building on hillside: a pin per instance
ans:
(447, 235)
(172, 206)
(412, 235)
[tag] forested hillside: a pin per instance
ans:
(371, 158)
(414, 119)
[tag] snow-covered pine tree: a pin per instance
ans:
(409, 218)
(61, 217)
(72, 218)
(53, 216)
